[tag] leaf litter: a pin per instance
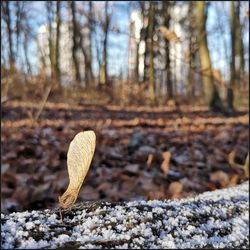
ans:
(141, 153)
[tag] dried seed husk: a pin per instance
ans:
(80, 154)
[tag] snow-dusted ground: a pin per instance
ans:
(215, 219)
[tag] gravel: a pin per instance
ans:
(218, 219)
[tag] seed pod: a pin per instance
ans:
(80, 154)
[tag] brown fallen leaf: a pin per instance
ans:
(126, 188)
(10, 155)
(233, 180)
(145, 183)
(149, 160)
(125, 178)
(6, 192)
(219, 155)
(89, 193)
(108, 190)
(231, 160)
(104, 186)
(41, 191)
(246, 166)
(156, 194)
(219, 177)
(191, 184)
(22, 195)
(174, 189)
(166, 160)
(132, 168)
(223, 136)
(10, 179)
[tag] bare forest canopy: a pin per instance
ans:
(126, 53)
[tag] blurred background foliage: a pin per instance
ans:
(126, 53)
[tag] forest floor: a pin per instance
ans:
(141, 152)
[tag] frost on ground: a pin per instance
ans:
(215, 219)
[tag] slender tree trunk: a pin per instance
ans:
(145, 74)
(49, 5)
(146, 53)
(144, 36)
(151, 53)
(86, 49)
(239, 49)
(210, 90)
(191, 59)
(88, 67)
(190, 71)
(230, 93)
(25, 48)
(90, 24)
(88, 70)
(174, 72)
(18, 26)
(136, 74)
(75, 45)
(57, 49)
(169, 83)
(8, 20)
(105, 44)
(105, 63)
(98, 57)
(88, 61)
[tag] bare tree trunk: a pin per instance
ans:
(142, 7)
(88, 67)
(25, 48)
(210, 90)
(136, 71)
(239, 49)
(145, 75)
(98, 57)
(18, 24)
(8, 20)
(105, 45)
(90, 25)
(75, 45)
(88, 60)
(190, 91)
(230, 93)
(57, 49)
(49, 5)
(191, 59)
(151, 53)
(86, 48)
(169, 83)
(146, 67)
(144, 37)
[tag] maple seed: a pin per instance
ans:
(79, 157)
